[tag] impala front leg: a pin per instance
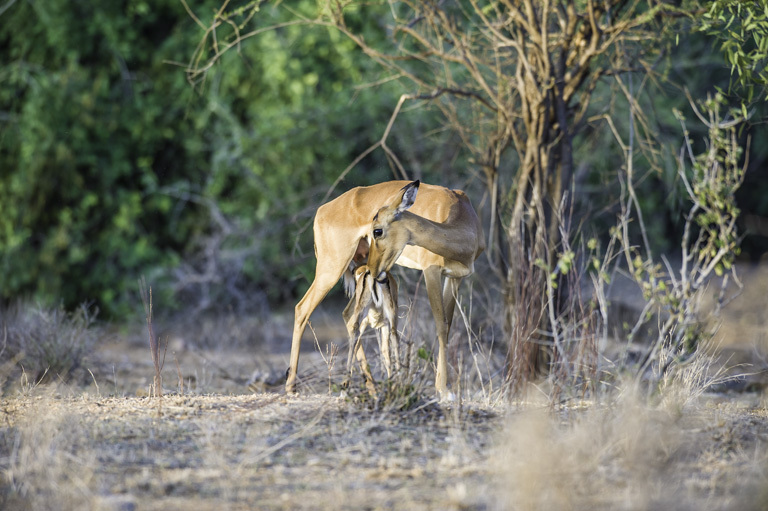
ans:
(356, 347)
(369, 382)
(353, 327)
(384, 336)
(351, 317)
(394, 343)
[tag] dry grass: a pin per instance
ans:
(63, 449)
(627, 455)
(45, 343)
(47, 461)
(266, 451)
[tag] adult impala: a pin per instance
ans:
(439, 234)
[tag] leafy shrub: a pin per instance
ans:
(115, 167)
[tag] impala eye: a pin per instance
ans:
(377, 233)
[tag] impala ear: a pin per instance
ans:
(408, 197)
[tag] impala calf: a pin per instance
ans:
(374, 305)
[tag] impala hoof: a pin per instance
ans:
(447, 397)
(290, 383)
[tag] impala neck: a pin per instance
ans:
(444, 240)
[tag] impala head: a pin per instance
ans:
(367, 289)
(388, 235)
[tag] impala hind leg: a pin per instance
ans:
(450, 290)
(314, 295)
(440, 311)
(328, 271)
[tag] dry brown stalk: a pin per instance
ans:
(154, 345)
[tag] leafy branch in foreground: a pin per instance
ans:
(742, 30)
(708, 246)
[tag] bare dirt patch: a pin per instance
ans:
(265, 451)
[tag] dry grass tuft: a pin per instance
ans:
(628, 454)
(48, 343)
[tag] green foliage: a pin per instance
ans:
(114, 167)
(742, 31)
(91, 138)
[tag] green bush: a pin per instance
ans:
(95, 129)
(114, 166)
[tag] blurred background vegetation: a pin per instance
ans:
(113, 165)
